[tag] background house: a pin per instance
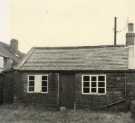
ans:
(91, 77)
(9, 57)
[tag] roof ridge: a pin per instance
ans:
(3, 43)
(78, 47)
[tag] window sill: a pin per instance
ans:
(96, 94)
(37, 92)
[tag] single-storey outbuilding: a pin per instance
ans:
(91, 77)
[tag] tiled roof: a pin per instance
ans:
(76, 58)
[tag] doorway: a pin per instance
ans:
(67, 86)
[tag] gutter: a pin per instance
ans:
(125, 86)
(58, 93)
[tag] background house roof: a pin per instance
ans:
(76, 58)
(6, 51)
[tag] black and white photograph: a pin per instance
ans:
(67, 61)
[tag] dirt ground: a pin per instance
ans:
(21, 114)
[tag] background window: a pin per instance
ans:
(1, 64)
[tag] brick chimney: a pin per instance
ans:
(130, 43)
(14, 45)
(130, 35)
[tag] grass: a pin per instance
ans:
(21, 114)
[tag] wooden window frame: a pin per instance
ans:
(35, 84)
(97, 87)
(28, 83)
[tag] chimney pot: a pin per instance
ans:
(130, 27)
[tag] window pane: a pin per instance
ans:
(31, 88)
(44, 89)
(93, 78)
(44, 83)
(101, 90)
(86, 78)
(86, 90)
(86, 84)
(44, 77)
(93, 90)
(93, 84)
(31, 83)
(31, 77)
(101, 78)
(101, 84)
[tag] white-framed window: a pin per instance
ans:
(37, 84)
(94, 84)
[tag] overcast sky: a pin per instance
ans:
(64, 22)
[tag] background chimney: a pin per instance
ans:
(130, 35)
(14, 45)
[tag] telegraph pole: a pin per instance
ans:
(115, 31)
